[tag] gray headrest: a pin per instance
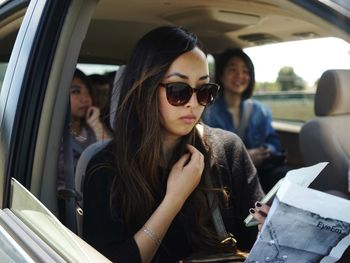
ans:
(117, 84)
(333, 93)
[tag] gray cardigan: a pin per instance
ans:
(234, 170)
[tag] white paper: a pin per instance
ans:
(303, 225)
(302, 176)
(306, 175)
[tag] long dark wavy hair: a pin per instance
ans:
(139, 183)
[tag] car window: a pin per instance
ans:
(339, 5)
(2, 72)
(3, 1)
(42, 222)
(287, 74)
(96, 68)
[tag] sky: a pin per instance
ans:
(309, 58)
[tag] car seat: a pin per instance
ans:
(327, 137)
(93, 149)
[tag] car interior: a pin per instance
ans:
(105, 31)
(325, 137)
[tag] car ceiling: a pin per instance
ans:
(219, 24)
(117, 24)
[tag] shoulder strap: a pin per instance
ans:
(77, 146)
(247, 110)
(216, 214)
(69, 193)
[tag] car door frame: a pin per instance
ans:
(35, 87)
(25, 83)
(32, 102)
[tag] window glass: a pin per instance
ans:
(42, 222)
(3, 1)
(211, 63)
(96, 68)
(3, 67)
(343, 3)
(287, 74)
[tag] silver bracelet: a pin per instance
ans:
(149, 232)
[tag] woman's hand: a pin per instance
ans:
(259, 212)
(185, 176)
(93, 120)
(258, 155)
(183, 179)
(93, 116)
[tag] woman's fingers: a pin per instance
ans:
(190, 162)
(259, 212)
(258, 215)
(185, 174)
(193, 154)
(263, 153)
(262, 208)
(182, 161)
(93, 112)
(196, 156)
(89, 112)
(258, 155)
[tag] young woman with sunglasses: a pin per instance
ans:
(146, 193)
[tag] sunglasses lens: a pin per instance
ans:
(207, 93)
(178, 93)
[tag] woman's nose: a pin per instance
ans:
(239, 74)
(193, 100)
(85, 98)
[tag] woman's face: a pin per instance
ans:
(235, 77)
(80, 98)
(191, 68)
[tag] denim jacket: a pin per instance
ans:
(259, 131)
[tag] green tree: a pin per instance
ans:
(288, 80)
(266, 86)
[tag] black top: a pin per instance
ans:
(113, 239)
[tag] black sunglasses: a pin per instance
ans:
(180, 93)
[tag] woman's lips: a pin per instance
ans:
(188, 119)
(84, 108)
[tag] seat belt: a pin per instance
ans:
(247, 110)
(69, 194)
(216, 214)
(218, 222)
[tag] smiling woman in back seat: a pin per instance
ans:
(146, 193)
